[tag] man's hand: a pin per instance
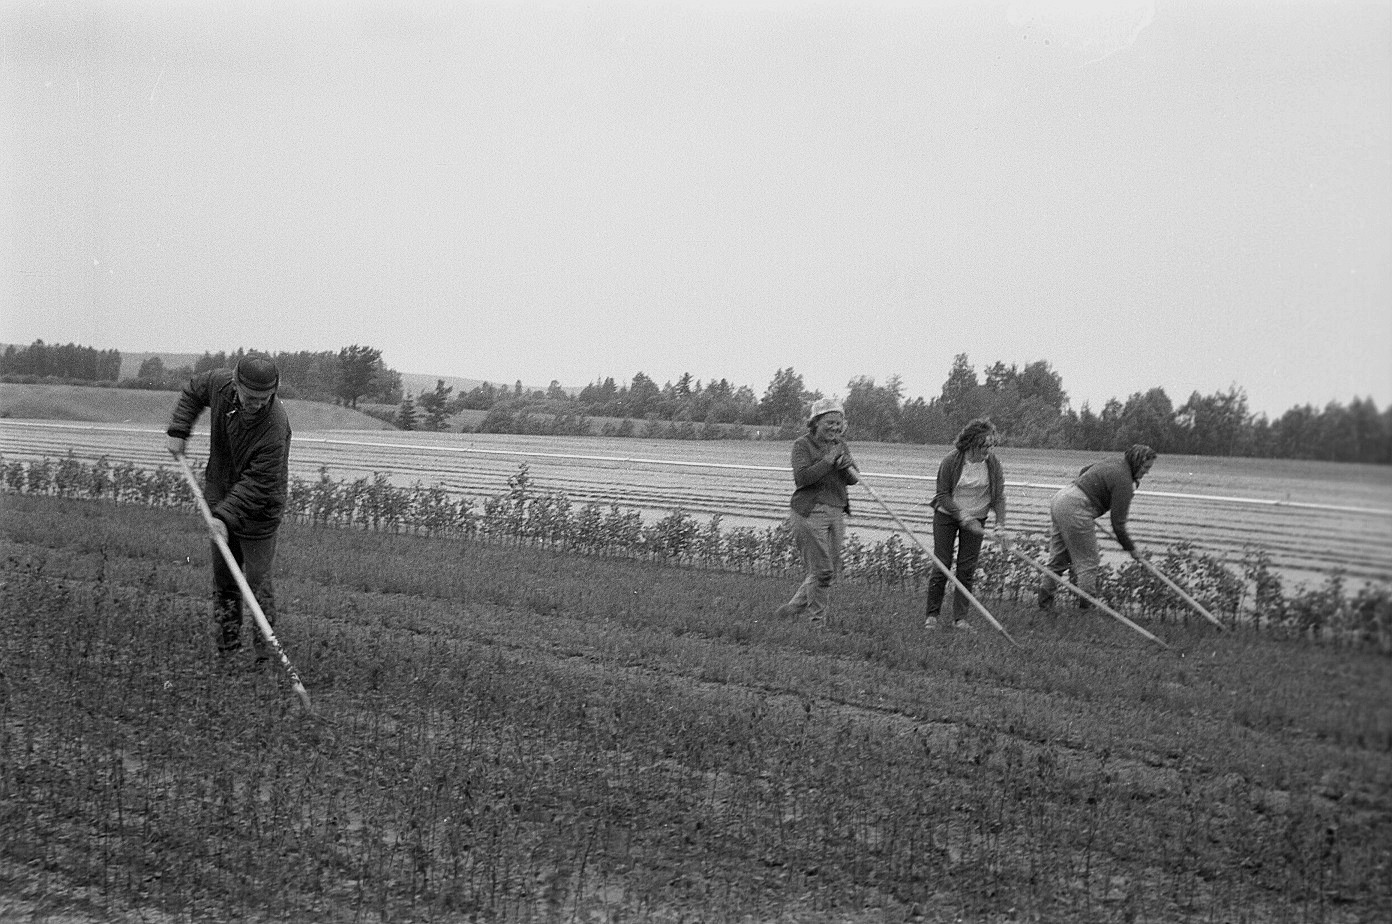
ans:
(973, 526)
(219, 529)
(176, 446)
(1136, 554)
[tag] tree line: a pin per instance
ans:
(1028, 404)
(352, 374)
(69, 361)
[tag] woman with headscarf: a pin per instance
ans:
(822, 468)
(1099, 487)
(970, 485)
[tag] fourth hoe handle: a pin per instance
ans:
(1165, 579)
(261, 622)
(1181, 593)
(1069, 585)
(937, 562)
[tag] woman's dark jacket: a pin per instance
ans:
(817, 481)
(950, 471)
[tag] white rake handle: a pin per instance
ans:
(937, 563)
(1063, 582)
(1182, 595)
(262, 622)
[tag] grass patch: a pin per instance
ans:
(138, 406)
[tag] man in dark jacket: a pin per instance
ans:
(245, 483)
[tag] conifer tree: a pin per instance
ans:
(406, 413)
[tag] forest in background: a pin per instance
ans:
(1028, 404)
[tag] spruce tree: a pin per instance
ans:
(406, 414)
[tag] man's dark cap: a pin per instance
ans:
(257, 372)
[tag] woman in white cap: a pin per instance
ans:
(822, 468)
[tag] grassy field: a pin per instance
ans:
(509, 734)
(135, 406)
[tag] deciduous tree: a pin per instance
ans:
(873, 410)
(435, 405)
(356, 367)
(784, 400)
(642, 396)
(1147, 418)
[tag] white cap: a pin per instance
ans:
(825, 406)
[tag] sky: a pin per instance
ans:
(1194, 196)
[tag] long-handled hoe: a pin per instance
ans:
(1181, 593)
(261, 622)
(1069, 585)
(937, 562)
(1164, 579)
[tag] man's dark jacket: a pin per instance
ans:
(248, 458)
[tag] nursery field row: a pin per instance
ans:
(1311, 518)
(504, 733)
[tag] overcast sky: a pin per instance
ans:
(1187, 195)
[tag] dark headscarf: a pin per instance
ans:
(1139, 454)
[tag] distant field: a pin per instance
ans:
(131, 362)
(469, 420)
(1313, 518)
(137, 406)
(463, 420)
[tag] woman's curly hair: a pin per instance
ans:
(975, 435)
